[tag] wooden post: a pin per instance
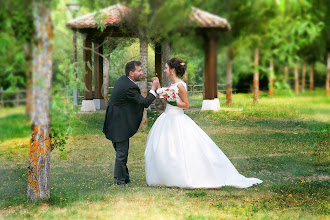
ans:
(296, 77)
(144, 84)
(311, 78)
(303, 77)
(271, 78)
(98, 69)
(210, 80)
(256, 76)
(327, 80)
(87, 57)
(229, 92)
(158, 62)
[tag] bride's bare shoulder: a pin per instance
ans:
(181, 86)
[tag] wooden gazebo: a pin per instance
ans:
(206, 24)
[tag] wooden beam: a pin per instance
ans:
(109, 32)
(87, 57)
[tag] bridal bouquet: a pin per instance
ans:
(169, 94)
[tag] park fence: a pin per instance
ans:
(18, 97)
(13, 97)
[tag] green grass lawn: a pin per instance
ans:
(284, 141)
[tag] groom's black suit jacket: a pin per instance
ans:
(125, 110)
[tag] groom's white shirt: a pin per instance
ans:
(151, 91)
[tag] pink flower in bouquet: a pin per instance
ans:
(167, 93)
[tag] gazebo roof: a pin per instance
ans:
(116, 14)
(205, 19)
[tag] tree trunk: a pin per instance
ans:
(106, 67)
(256, 76)
(40, 145)
(166, 53)
(105, 86)
(296, 78)
(75, 59)
(311, 78)
(271, 78)
(144, 82)
(286, 74)
(303, 77)
(327, 92)
(229, 93)
(185, 77)
(28, 74)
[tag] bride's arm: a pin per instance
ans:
(184, 97)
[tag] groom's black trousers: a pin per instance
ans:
(121, 174)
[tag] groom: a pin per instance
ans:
(124, 115)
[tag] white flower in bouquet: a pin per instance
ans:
(167, 93)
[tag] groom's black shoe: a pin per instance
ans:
(121, 183)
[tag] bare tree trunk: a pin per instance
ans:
(185, 77)
(271, 78)
(166, 53)
(296, 77)
(256, 76)
(40, 147)
(105, 86)
(286, 74)
(144, 82)
(229, 93)
(106, 67)
(303, 77)
(311, 78)
(327, 92)
(28, 74)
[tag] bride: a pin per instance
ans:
(179, 153)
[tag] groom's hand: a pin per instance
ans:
(155, 83)
(154, 78)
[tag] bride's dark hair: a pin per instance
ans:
(179, 66)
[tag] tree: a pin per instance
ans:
(40, 145)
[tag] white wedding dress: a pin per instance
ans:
(179, 153)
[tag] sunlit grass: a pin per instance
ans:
(284, 141)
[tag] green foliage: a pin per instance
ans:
(16, 30)
(64, 117)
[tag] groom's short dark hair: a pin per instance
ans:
(130, 66)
